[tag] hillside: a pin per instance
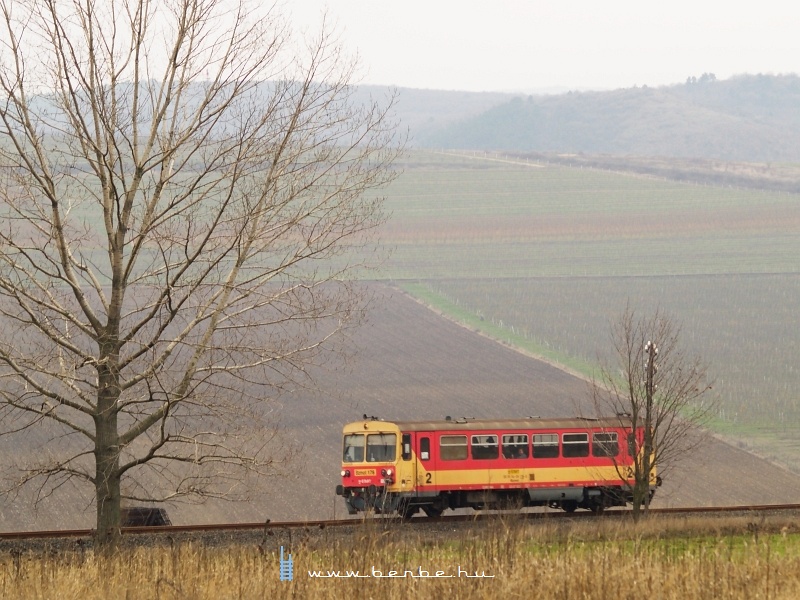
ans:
(422, 111)
(746, 118)
(749, 118)
(410, 363)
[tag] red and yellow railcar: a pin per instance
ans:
(570, 463)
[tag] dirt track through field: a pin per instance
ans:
(411, 363)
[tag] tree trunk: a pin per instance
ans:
(636, 511)
(107, 475)
(637, 498)
(162, 167)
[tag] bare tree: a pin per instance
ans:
(182, 187)
(661, 388)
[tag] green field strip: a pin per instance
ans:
(570, 258)
(562, 190)
(515, 221)
(497, 331)
(754, 382)
(473, 242)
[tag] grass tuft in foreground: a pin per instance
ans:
(658, 558)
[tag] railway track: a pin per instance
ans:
(476, 517)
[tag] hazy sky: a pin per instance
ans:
(531, 45)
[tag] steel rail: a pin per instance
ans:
(477, 517)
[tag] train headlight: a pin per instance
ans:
(345, 473)
(387, 476)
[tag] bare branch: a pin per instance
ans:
(661, 388)
(183, 193)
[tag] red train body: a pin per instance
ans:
(406, 466)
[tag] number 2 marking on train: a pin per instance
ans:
(427, 477)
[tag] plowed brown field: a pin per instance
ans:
(411, 363)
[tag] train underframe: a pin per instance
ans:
(376, 499)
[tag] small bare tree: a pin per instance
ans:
(661, 388)
(181, 187)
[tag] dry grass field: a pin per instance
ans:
(670, 559)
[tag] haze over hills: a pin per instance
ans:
(753, 118)
(748, 118)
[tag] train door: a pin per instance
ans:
(406, 467)
(426, 469)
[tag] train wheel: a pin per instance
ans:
(598, 508)
(406, 511)
(432, 511)
(569, 506)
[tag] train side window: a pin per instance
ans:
(545, 445)
(425, 448)
(605, 444)
(515, 446)
(576, 445)
(381, 447)
(406, 450)
(485, 447)
(353, 448)
(453, 447)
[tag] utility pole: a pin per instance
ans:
(661, 390)
(651, 351)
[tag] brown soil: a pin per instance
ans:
(413, 364)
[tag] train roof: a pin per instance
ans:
(467, 424)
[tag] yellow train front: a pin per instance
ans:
(569, 463)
